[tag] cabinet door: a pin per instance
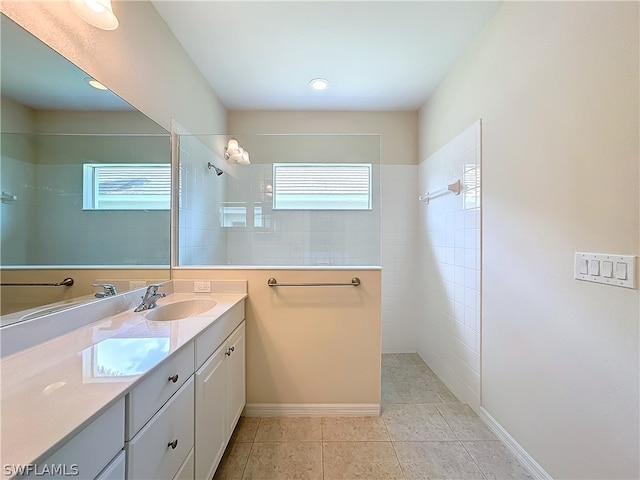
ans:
(211, 423)
(235, 345)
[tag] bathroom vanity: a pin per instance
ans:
(124, 396)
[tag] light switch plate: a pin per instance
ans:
(605, 275)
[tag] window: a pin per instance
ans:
(126, 186)
(234, 214)
(326, 186)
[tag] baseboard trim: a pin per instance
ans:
(514, 447)
(312, 410)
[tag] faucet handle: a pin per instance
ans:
(108, 289)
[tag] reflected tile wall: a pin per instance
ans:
(450, 266)
(201, 239)
(17, 179)
(60, 232)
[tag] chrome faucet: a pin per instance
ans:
(151, 296)
(108, 290)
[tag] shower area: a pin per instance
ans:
(299, 201)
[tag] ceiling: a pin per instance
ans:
(379, 55)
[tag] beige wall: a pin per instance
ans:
(15, 118)
(309, 345)
(556, 86)
(398, 130)
(141, 61)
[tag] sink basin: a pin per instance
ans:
(180, 310)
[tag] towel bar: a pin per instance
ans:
(272, 282)
(67, 282)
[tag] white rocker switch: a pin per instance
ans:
(621, 270)
(607, 268)
(594, 267)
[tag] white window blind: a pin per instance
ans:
(326, 186)
(126, 186)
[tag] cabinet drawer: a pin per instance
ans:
(86, 454)
(147, 397)
(115, 470)
(209, 340)
(163, 444)
(186, 471)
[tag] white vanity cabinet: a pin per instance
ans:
(153, 392)
(115, 470)
(159, 450)
(200, 416)
(94, 450)
(220, 398)
(173, 423)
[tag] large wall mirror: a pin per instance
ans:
(85, 181)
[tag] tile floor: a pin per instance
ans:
(424, 433)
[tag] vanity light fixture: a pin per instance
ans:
(233, 152)
(319, 84)
(95, 83)
(98, 13)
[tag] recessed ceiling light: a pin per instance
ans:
(95, 83)
(98, 13)
(319, 84)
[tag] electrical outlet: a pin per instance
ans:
(202, 287)
(133, 284)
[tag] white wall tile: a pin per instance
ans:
(449, 237)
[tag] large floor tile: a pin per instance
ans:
(416, 391)
(360, 460)
(436, 460)
(465, 423)
(416, 423)
(289, 429)
(354, 429)
(233, 461)
(245, 430)
(446, 396)
(389, 359)
(495, 461)
(285, 461)
(404, 373)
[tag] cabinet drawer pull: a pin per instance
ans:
(233, 349)
(174, 379)
(173, 444)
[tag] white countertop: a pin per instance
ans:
(54, 389)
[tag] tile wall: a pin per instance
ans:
(297, 238)
(450, 266)
(400, 209)
(201, 239)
